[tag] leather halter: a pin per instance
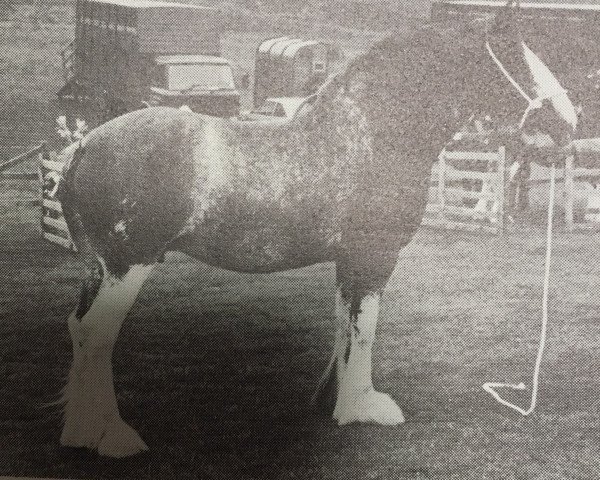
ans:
(533, 103)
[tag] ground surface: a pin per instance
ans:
(216, 369)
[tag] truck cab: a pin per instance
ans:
(130, 54)
(204, 83)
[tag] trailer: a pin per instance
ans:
(131, 54)
(289, 67)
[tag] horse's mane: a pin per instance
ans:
(391, 45)
(318, 104)
(316, 107)
(397, 60)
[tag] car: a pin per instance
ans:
(282, 107)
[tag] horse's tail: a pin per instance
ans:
(58, 184)
(65, 190)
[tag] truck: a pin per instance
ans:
(131, 54)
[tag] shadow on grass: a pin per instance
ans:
(216, 392)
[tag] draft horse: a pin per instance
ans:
(346, 182)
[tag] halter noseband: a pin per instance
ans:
(533, 103)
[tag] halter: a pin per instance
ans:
(533, 103)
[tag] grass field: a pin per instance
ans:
(216, 369)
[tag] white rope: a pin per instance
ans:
(490, 386)
(508, 75)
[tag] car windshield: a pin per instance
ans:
(203, 76)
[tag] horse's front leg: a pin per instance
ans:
(349, 371)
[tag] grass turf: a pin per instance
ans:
(216, 369)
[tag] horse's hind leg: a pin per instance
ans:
(89, 291)
(92, 416)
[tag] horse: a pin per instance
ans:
(346, 181)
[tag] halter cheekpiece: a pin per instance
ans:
(533, 103)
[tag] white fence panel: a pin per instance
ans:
(461, 198)
(54, 227)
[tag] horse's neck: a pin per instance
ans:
(412, 120)
(412, 103)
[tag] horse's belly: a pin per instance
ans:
(260, 241)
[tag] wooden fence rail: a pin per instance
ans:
(572, 175)
(54, 227)
(39, 150)
(453, 205)
(445, 209)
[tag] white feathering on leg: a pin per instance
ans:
(357, 399)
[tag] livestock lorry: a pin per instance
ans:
(130, 54)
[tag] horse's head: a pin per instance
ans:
(517, 89)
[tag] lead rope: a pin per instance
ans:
(490, 386)
(532, 104)
(508, 76)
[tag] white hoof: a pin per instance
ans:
(86, 426)
(75, 437)
(120, 440)
(368, 406)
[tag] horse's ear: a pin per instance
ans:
(506, 23)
